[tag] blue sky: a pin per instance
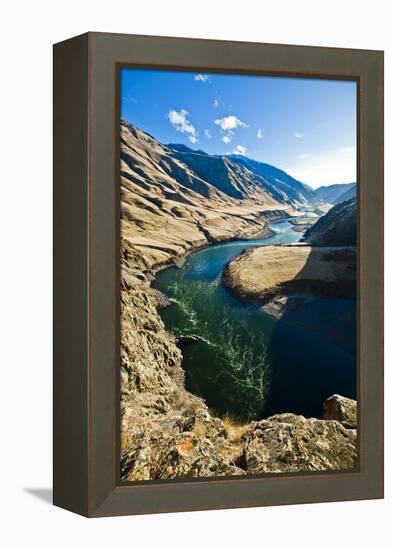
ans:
(304, 126)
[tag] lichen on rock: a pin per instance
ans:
(292, 443)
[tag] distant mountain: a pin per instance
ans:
(336, 193)
(227, 176)
(281, 185)
(350, 193)
(336, 228)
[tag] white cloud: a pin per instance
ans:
(298, 135)
(129, 99)
(216, 103)
(179, 120)
(230, 122)
(228, 126)
(202, 78)
(303, 156)
(239, 150)
(208, 134)
(260, 134)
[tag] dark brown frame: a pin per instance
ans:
(86, 274)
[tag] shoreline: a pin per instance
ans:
(179, 260)
(236, 283)
(161, 299)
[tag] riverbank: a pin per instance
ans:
(164, 250)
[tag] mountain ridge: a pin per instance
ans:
(268, 178)
(283, 183)
(336, 192)
(174, 199)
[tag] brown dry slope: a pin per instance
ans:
(168, 208)
(263, 273)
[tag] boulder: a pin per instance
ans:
(185, 340)
(340, 408)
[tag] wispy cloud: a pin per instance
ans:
(208, 134)
(298, 135)
(179, 120)
(303, 156)
(218, 102)
(239, 150)
(202, 78)
(260, 134)
(226, 138)
(129, 99)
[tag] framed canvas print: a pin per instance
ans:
(218, 287)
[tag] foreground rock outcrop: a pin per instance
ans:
(292, 443)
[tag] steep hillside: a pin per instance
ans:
(229, 177)
(336, 228)
(281, 185)
(349, 194)
(336, 193)
(174, 199)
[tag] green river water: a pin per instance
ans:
(248, 363)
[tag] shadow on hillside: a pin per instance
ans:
(312, 348)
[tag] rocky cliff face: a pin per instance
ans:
(336, 228)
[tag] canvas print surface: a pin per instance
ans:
(238, 275)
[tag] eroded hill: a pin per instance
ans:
(336, 228)
(174, 199)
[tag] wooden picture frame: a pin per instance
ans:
(86, 274)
